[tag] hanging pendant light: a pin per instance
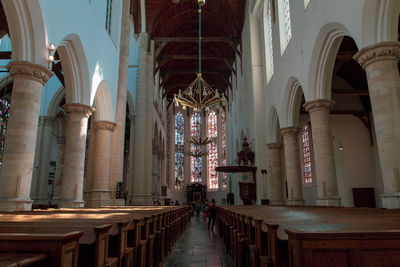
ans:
(203, 96)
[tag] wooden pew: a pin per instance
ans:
(60, 250)
(341, 249)
(93, 245)
(23, 259)
(271, 240)
(129, 225)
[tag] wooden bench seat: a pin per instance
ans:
(264, 228)
(60, 249)
(23, 259)
(135, 235)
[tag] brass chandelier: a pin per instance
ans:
(198, 142)
(199, 94)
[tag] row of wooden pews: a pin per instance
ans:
(123, 236)
(310, 236)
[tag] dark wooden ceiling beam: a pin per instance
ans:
(196, 39)
(185, 85)
(5, 55)
(189, 71)
(344, 112)
(350, 92)
(194, 57)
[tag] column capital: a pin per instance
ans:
(376, 52)
(289, 130)
(104, 125)
(84, 110)
(274, 145)
(60, 141)
(132, 118)
(47, 120)
(318, 104)
(29, 70)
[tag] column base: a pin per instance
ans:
(15, 204)
(117, 202)
(391, 201)
(277, 203)
(328, 201)
(71, 204)
(96, 199)
(295, 202)
(140, 200)
(40, 201)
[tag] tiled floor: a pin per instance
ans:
(199, 247)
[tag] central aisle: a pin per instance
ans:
(199, 247)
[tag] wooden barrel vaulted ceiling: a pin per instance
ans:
(174, 28)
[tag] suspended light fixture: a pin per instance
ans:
(199, 94)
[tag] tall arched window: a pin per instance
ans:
(223, 149)
(4, 115)
(269, 53)
(212, 150)
(285, 26)
(179, 151)
(196, 162)
(306, 142)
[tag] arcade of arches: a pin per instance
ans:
(313, 85)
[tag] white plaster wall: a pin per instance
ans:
(86, 19)
(310, 28)
(355, 164)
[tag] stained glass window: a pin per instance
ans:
(108, 16)
(4, 115)
(196, 162)
(288, 25)
(179, 151)
(223, 146)
(305, 136)
(285, 26)
(268, 40)
(212, 150)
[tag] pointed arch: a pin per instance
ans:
(131, 104)
(76, 71)
(273, 126)
(103, 103)
(27, 31)
(55, 101)
(326, 47)
(294, 93)
(380, 21)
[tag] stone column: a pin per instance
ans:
(380, 64)
(154, 170)
(292, 165)
(47, 124)
(118, 142)
(59, 170)
(98, 192)
(74, 158)
(325, 168)
(139, 190)
(90, 154)
(275, 163)
(20, 142)
(131, 169)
